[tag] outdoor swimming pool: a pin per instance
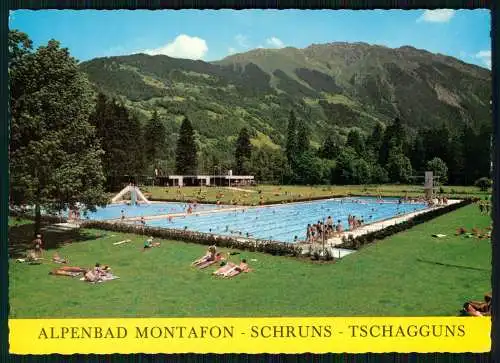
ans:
(284, 222)
(113, 211)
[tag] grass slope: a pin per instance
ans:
(384, 279)
(273, 193)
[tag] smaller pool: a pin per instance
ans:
(113, 211)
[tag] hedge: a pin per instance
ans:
(355, 243)
(272, 247)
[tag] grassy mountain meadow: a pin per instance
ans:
(332, 87)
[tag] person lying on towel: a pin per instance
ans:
(479, 308)
(91, 276)
(97, 273)
(60, 272)
(218, 257)
(57, 259)
(209, 256)
(68, 271)
(224, 268)
(236, 270)
(73, 269)
(101, 270)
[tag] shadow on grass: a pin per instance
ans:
(21, 238)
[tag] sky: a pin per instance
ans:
(214, 34)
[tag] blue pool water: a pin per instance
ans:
(113, 211)
(284, 222)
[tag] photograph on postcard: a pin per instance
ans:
(251, 164)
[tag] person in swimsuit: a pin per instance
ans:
(150, 244)
(209, 256)
(329, 224)
(308, 233)
(37, 245)
(242, 267)
(340, 229)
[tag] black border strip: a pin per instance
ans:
(5, 5)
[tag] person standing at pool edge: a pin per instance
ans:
(329, 224)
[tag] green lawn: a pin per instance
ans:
(273, 193)
(14, 222)
(395, 277)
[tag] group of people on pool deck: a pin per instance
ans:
(226, 269)
(438, 201)
(328, 229)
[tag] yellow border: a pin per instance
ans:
(250, 335)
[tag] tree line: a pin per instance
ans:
(389, 155)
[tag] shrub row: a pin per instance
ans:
(272, 247)
(355, 243)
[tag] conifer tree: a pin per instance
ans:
(154, 139)
(243, 151)
(291, 139)
(185, 158)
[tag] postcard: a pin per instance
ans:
(222, 181)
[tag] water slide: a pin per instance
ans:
(141, 196)
(131, 189)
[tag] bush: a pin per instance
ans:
(484, 183)
(275, 248)
(328, 255)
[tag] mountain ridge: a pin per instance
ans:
(333, 87)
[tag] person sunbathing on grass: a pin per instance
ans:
(475, 310)
(91, 276)
(57, 259)
(209, 256)
(150, 244)
(68, 271)
(72, 269)
(61, 272)
(226, 266)
(237, 269)
(478, 308)
(31, 256)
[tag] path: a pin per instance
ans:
(242, 190)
